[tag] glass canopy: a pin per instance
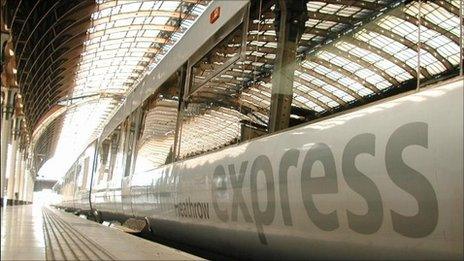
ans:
(351, 52)
(125, 41)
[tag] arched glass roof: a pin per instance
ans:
(359, 61)
(351, 52)
(125, 41)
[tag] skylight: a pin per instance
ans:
(126, 40)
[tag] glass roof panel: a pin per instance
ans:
(437, 15)
(123, 42)
(347, 51)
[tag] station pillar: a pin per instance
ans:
(8, 105)
(22, 177)
(26, 186)
(30, 189)
(12, 160)
(27, 181)
(18, 174)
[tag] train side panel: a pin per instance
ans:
(382, 180)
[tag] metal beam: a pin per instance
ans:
(321, 16)
(403, 40)
(363, 63)
(291, 16)
(356, 3)
(328, 80)
(427, 24)
(141, 13)
(387, 56)
(447, 6)
(344, 72)
(320, 90)
(311, 98)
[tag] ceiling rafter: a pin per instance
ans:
(410, 44)
(343, 72)
(67, 46)
(38, 73)
(141, 13)
(447, 6)
(34, 29)
(311, 98)
(429, 25)
(363, 63)
(387, 56)
(67, 67)
(321, 16)
(328, 80)
(320, 90)
(376, 6)
(54, 52)
(80, 33)
(24, 23)
(52, 28)
(136, 27)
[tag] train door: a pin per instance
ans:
(77, 184)
(131, 125)
(113, 183)
(100, 184)
(84, 185)
(74, 188)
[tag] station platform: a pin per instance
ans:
(43, 233)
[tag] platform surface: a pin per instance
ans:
(22, 233)
(43, 233)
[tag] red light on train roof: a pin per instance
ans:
(215, 15)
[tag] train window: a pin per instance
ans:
(209, 124)
(219, 52)
(216, 112)
(217, 59)
(156, 144)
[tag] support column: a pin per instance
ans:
(291, 16)
(26, 187)
(5, 138)
(12, 159)
(22, 180)
(18, 174)
(7, 122)
(28, 184)
(30, 198)
(29, 189)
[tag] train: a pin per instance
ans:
(382, 180)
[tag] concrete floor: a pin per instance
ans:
(41, 233)
(22, 233)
